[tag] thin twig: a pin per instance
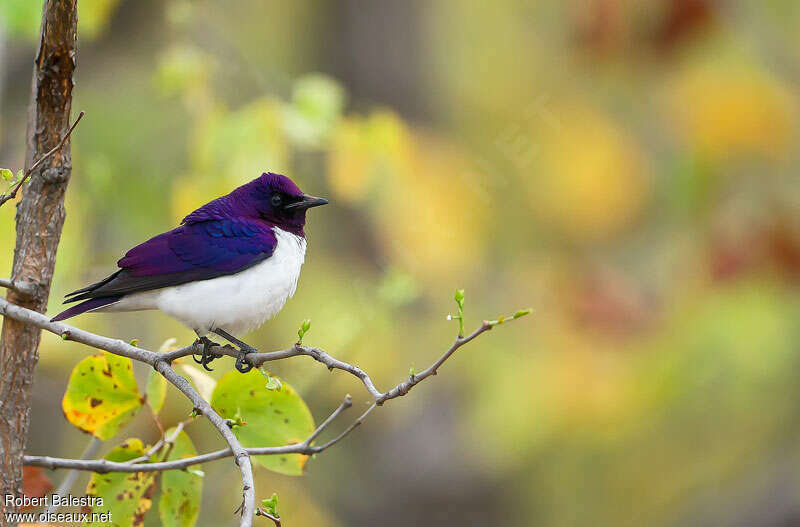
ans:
(275, 519)
(241, 457)
(13, 191)
(124, 349)
(161, 363)
(140, 464)
(26, 288)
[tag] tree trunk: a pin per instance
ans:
(40, 217)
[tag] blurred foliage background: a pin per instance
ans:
(628, 169)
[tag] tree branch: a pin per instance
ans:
(13, 191)
(26, 289)
(156, 360)
(241, 457)
(275, 519)
(39, 222)
(140, 464)
(257, 359)
(161, 363)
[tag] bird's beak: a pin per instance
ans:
(306, 203)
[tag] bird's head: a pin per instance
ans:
(279, 201)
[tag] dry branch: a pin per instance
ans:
(39, 221)
(161, 363)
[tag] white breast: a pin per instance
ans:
(237, 303)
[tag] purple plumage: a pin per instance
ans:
(85, 307)
(224, 237)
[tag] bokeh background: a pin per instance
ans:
(628, 169)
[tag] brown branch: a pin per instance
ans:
(275, 519)
(13, 191)
(39, 222)
(157, 361)
(258, 359)
(22, 287)
(241, 457)
(140, 464)
(161, 363)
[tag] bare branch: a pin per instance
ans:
(275, 519)
(257, 359)
(241, 457)
(67, 332)
(141, 464)
(156, 360)
(13, 192)
(161, 363)
(27, 289)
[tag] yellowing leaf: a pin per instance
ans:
(181, 490)
(273, 417)
(438, 190)
(592, 180)
(102, 395)
(364, 152)
(728, 110)
(127, 496)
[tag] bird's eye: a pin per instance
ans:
(276, 200)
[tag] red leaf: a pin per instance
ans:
(34, 483)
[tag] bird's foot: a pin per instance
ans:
(242, 364)
(207, 355)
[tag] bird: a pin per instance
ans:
(230, 265)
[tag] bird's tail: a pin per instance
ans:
(88, 305)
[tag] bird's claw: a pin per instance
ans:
(207, 356)
(242, 365)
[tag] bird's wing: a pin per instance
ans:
(195, 251)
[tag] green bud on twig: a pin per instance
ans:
(271, 504)
(304, 327)
(273, 384)
(459, 298)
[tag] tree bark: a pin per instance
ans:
(39, 219)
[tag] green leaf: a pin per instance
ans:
(102, 395)
(156, 392)
(522, 313)
(6, 174)
(273, 383)
(271, 504)
(182, 68)
(317, 104)
(274, 418)
(181, 490)
(127, 496)
(304, 327)
(459, 297)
